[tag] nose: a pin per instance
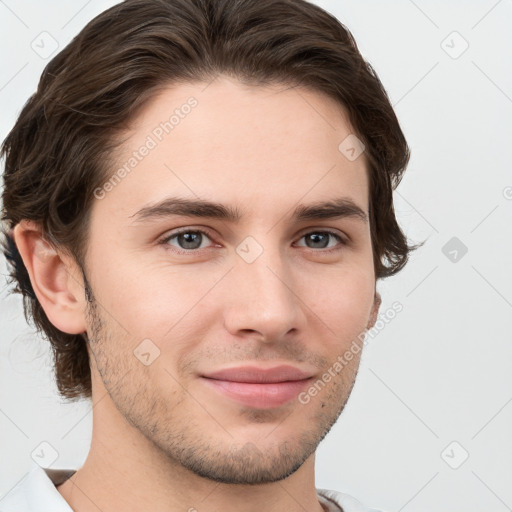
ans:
(263, 299)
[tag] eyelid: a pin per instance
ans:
(342, 238)
(187, 229)
(320, 229)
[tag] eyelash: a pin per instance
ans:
(166, 240)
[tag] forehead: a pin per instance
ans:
(231, 142)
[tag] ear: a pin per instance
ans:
(375, 310)
(55, 278)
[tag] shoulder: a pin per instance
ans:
(36, 492)
(345, 502)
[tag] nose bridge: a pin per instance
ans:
(263, 299)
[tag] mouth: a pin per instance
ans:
(259, 388)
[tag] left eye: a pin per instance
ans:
(189, 241)
(322, 238)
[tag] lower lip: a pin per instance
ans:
(260, 396)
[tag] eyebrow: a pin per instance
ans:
(333, 209)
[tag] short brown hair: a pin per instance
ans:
(61, 147)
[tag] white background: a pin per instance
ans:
(441, 370)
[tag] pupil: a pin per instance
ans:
(188, 238)
(316, 236)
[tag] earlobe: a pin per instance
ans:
(55, 281)
(375, 310)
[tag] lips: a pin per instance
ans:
(259, 375)
(261, 388)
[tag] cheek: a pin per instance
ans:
(158, 301)
(343, 303)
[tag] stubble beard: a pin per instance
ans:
(182, 441)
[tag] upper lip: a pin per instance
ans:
(254, 374)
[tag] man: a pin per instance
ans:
(198, 205)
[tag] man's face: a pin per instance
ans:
(267, 290)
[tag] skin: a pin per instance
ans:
(157, 428)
